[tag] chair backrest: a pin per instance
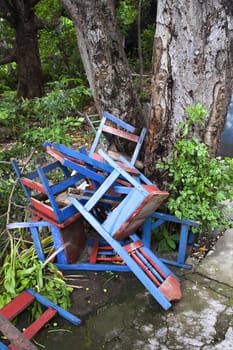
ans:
(123, 130)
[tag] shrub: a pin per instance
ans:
(199, 184)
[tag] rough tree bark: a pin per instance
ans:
(192, 62)
(104, 59)
(30, 83)
(20, 15)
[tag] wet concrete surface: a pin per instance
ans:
(118, 313)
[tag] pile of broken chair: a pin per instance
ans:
(115, 198)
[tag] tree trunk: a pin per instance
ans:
(20, 15)
(27, 52)
(28, 61)
(192, 63)
(104, 59)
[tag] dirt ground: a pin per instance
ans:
(97, 289)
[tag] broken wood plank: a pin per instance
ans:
(14, 335)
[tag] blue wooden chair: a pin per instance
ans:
(120, 129)
(185, 235)
(65, 249)
(48, 202)
(44, 196)
(137, 203)
(95, 168)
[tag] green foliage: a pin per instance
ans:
(21, 269)
(52, 117)
(196, 114)
(147, 46)
(166, 239)
(199, 183)
(8, 73)
(5, 189)
(59, 52)
(48, 9)
(147, 38)
(9, 109)
(7, 181)
(61, 100)
(126, 14)
(48, 118)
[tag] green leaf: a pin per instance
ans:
(163, 245)
(171, 243)
(9, 282)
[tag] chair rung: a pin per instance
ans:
(17, 305)
(33, 185)
(104, 253)
(34, 328)
(120, 133)
(39, 323)
(21, 340)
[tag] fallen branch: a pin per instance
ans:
(5, 162)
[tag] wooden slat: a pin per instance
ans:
(14, 335)
(36, 326)
(98, 251)
(43, 209)
(94, 253)
(76, 157)
(21, 341)
(63, 313)
(39, 323)
(33, 184)
(121, 133)
(44, 216)
(17, 305)
(119, 122)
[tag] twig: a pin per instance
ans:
(39, 344)
(143, 75)
(59, 330)
(73, 276)
(53, 255)
(89, 120)
(1, 216)
(74, 279)
(109, 279)
(18, 205)
(73, 286)
(13, 190)
(4, 162)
